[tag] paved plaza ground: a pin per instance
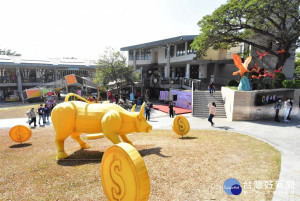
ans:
(282, 136)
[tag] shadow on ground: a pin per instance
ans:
(15, 146)
(271, 122)
(224, 127)
(187, 138)
(82, 157)
(155, 150)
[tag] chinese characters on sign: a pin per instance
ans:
(263, 98)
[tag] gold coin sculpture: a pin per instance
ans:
(20, 133)
(181, 125)
(124, 174)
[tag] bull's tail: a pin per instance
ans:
(77, 96)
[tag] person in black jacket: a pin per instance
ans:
(171, 110)
(277, 107)
(40, 111)
(147, 110)
(46, 113)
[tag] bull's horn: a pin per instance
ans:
(141, 114)
(133, 108)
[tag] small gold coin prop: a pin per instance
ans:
(124, 174)
(20, 133)
(181, 125)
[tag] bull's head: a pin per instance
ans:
(140, 120)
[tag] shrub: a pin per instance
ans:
(280, 77)
(297, 84)
(232, 83)
(288, 84)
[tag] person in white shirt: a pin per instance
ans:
(32, 116)
(287, 107)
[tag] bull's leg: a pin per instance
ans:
(82, 144)
(125, 139)
(113, 137)
(61, 154)
(111, 123)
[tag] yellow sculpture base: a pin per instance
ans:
(181, 125)
(20, 133)
(124, 175)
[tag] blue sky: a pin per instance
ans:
(83, 29)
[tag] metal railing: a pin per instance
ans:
(159, 81)
(8, 79)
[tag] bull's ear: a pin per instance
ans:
(133, 108)
(141, 114)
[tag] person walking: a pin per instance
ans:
(147, 110)
(277, 107)
(211, 87)
(32, 116)
(171, 110)
(212, 112)
(53, 104)
(40, 111)
(287, 107)
(46, 113)
(291, 102)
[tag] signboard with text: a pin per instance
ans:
(270, 97)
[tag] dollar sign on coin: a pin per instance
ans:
(181, 125)
(117, 180)
(123, 174)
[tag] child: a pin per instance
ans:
(212, 112)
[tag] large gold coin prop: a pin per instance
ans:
(124, 174)
(181, 125)
(20, 133)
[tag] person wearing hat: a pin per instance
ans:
(277, 107)
(32, 116)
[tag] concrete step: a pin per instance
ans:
(201, 100)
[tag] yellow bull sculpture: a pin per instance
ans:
(76, 117)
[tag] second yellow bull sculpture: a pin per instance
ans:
(76, 117)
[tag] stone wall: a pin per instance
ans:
(240, 105)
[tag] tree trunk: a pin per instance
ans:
(282, 59)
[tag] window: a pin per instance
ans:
(180, 72)
(171, 51)
(189, 49)
(131, 55)
(180, 49)
(175, 97)
(145, 54)
(137, 55)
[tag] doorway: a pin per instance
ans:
(194, 72)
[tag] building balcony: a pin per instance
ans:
(166, 83)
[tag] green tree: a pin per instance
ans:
(8, 52)
(242, 20)
(113, 70)
(297, 66)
